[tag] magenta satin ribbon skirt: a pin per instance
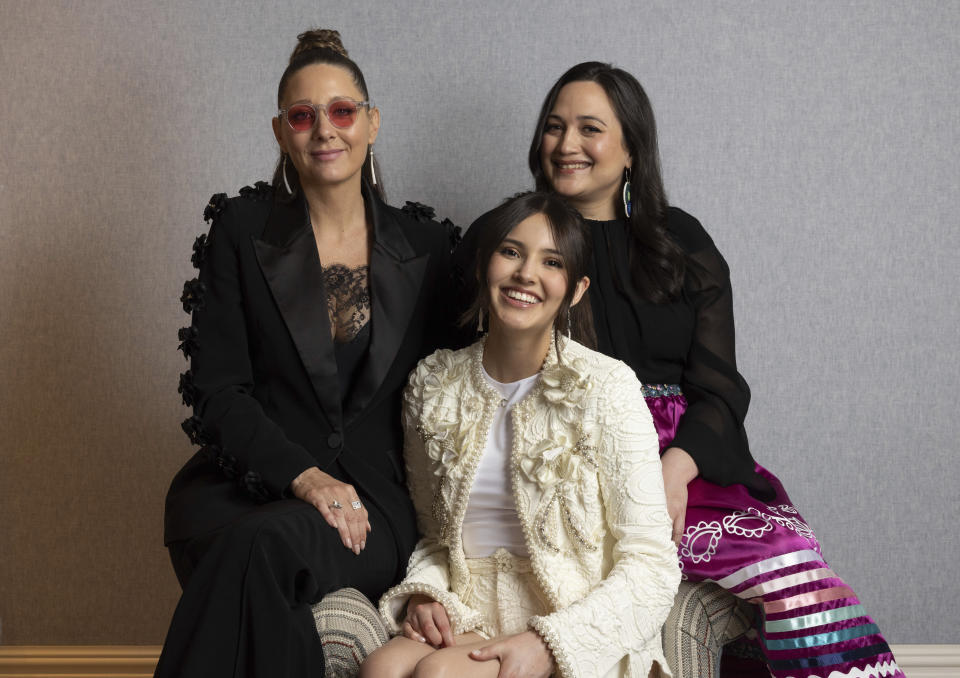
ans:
(810, 622)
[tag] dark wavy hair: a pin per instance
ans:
(570, 236)
(657, 262)
(321, 46)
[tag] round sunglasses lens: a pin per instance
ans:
(301, 117)
(342, 113)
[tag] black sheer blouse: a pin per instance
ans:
(689, 341)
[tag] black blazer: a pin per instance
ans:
(263, 377)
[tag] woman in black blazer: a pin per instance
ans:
(314, 301)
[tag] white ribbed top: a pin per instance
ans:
(491, 520)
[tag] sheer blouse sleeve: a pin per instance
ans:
(712, 431)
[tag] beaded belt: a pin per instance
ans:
(501, 561)
(660, 390)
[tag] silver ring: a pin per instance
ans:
(356, 505)
(336, 505)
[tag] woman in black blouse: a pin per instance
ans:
(314, 301)
(662, 303)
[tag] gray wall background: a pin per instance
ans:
(816, 141)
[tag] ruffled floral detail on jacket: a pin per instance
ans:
(188, 337)
(553, 461)
(442, 430)
(565, 386)
(193, 427)
(454, 233)
(418, 211)
(261, 190)
(558, 458)
(441, 447)
(218, 202)
(448, 428)
(561, 467)
(562, 462)
(200, 247)
(187, 389)
(227, 463)
(252, 483)
(192, 297)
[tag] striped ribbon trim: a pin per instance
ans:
(804, 599)
(768, 565)
(822, 638)
(835, 658)
(817, 619)
(786, 582)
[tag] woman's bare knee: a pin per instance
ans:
(434, 665)
(396, 659)
(455, 662)
(379, 665)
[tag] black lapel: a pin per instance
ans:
(287, 253)
(396, 275)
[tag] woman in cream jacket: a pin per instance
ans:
(533, 466)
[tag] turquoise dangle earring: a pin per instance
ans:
(626, 191)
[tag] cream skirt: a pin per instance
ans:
(503, 588)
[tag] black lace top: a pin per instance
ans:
(348, 299)
(689, 341)
(348, 305)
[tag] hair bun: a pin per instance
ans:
(319, 38)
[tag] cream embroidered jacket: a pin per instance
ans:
(588, 488)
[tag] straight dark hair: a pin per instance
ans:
(657, 262)
(570, 237)
(321, 46)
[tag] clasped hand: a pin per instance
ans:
(522, 655)
(427, 622)
(335, 501)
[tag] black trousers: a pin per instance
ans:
(248, 587)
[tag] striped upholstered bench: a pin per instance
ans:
(704, 618)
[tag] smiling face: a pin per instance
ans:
(582, 151)
(326, 155)
(527, 280)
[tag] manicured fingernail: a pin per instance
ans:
(422, 639)
(349, 543)
(475, 652)
(363, 545)
(356, 550)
